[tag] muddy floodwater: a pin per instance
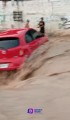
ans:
(43, 82)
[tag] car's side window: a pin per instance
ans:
(28, 37)
(35, 34)
(32, 35)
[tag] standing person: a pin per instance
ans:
(27, 24)
(42, 26)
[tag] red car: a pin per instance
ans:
(16, 44)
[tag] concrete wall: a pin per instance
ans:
(51, 10)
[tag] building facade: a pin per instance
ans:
(14, 15)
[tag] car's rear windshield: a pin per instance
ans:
(10, 42)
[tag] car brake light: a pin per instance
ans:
(21, 53)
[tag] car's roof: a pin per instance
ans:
(13, 32)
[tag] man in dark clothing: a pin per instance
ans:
(42, 26)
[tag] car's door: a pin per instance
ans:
(42, 39)
(33, 43)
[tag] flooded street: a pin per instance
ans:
(43, 83)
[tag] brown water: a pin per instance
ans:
(43, 82)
